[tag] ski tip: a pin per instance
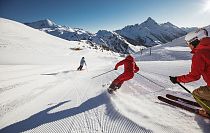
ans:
(169, 95)
(161, 98)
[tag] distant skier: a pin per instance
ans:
(82, 62)
(199, 43)
(130, 68)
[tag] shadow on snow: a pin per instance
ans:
(44, 117)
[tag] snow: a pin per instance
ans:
(44, 24)
(41, 91)
(150, 32)
(124, 41)
(178, 48)
(109, 39)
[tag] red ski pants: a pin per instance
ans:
(123, 77)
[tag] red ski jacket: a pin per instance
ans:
(129, 65)
(200, 63)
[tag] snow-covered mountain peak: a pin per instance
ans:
(46, 23)
(107, 39)
(168, 25)
(49, 22)
(149, 21)
(150, 33)
(104, 33)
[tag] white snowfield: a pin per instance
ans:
(41, 91)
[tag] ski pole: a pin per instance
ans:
(156, 73)
(150, 80)
(185, 88)
(86, 67)
(101, 74)
(196, 97)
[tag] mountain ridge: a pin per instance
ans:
(149, 33)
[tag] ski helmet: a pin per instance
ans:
(195, 36)
(129, 57)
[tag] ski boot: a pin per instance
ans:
(112, 88)
(204, 113)
(118, 86)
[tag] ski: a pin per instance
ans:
(176, 104)
(179, 99)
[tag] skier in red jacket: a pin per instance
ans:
(199, 42)
(130, 68)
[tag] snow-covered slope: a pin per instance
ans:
(189, 29)
(56, 98)
(24, 45)
(150, 33)
(174, 50)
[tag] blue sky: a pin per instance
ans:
(93, 15)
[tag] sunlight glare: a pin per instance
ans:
(207, 6)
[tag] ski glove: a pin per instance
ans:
(173, 79)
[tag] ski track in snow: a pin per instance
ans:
(88, 114)
(54, 100)
(81, 107)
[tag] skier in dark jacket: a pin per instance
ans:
(82, 62)
(199, 42)
(130, 68)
